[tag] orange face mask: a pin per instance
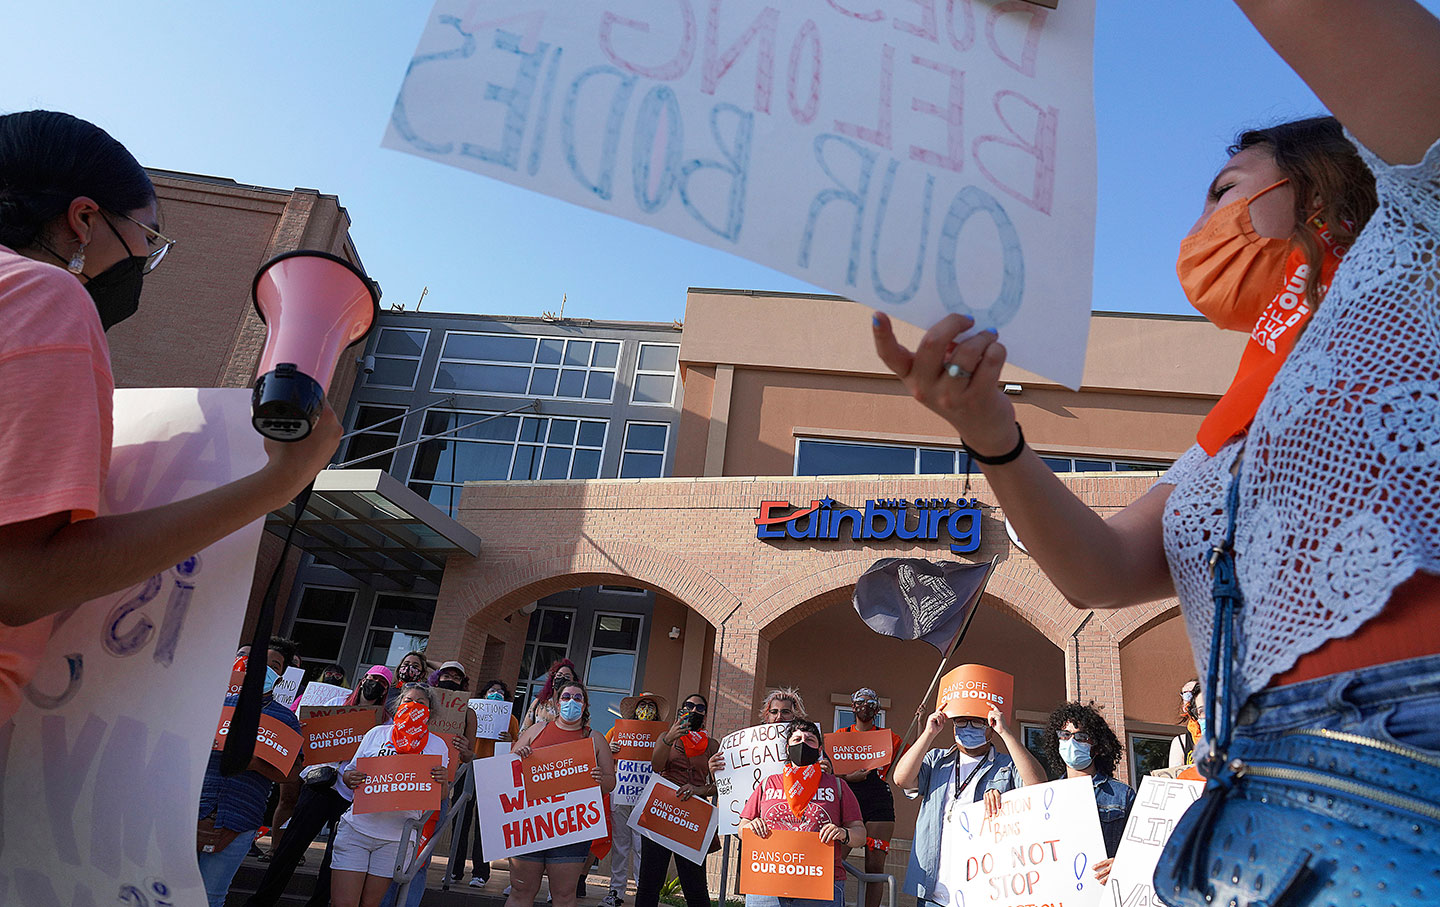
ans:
(1230, 272)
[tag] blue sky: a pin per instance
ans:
(298, 93)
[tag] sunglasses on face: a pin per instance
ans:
(1077, 736)
(572, 697)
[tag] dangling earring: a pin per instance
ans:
(77, 261)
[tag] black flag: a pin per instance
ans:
(914, 598)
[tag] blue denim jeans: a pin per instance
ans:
(217, 870)
(765, 900)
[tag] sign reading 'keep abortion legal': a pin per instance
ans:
(923, 158)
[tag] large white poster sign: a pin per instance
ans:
(1041, 849)
(492, 717)
(632, 776)
(317, 693)
(751, 755)
(100, 770)
(924, 157)
(287, 688)
(511, 825)
(1159, 804)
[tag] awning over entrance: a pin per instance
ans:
(365, 522)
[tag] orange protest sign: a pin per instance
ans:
(968, 691)
(333, 732)
(397, 782)
(554, 770)
(237, 680)
(861, 751)
(275, 744)
(686, 822)
(787, 864)
(637, 738)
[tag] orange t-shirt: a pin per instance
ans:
(55, 423)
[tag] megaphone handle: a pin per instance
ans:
(245, 721)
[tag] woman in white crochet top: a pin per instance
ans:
(1328, 254)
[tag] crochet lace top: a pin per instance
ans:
(1340, 484)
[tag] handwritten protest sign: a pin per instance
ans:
(631, 778)
(492, 717)
(861, 751)
(970, 689)
(402, 781)
(275, 743)
(287, 688)
(932, 159)
(1159, 804)
(512, 824)
(787, 864)
(683, 826)
(333, 732)
(317, 693)
(101, 768)
(751, 755)
(553, 770)
(448, 718)
(1040, 849)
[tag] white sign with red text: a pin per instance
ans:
(511, 825)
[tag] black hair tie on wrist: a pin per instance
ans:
(1004, 458)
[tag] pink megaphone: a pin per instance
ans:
(314, 305)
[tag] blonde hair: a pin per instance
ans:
(789, 693)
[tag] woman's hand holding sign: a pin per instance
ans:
(354, 778)
(831, 833)
(756, 825)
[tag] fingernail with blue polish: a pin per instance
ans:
(875, 320)
(991, 331)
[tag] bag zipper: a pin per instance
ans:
(1396, 749)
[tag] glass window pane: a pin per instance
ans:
(572, 383)
(613, 671)
(592, 434)
(658, 358)
(577, 352)
(432, 460)
(500, 428)
(400, 612)
(557, 463)
(532, 429)
(495, 379)
(387, 647)
(318, 642)
(364, 445)
(399, 342)
(527, 463)
(554, 627)
(1057, 464)
(436, 421)
(654, 388)
(645, 437)
(1141, 467)
(483, 346)
(605, 709)
(550, 350)
(325, 604)
(600, 386)
(1092, 466)
(367, 416)
(393, 372)
(586, 465)
(642, 466)
(542, 382)
(606, 355)
(443, 496)
(562, 431)
(481, 462)
(845, 459)
(615, 631)
(937, 462)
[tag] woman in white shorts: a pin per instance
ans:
(366, 846)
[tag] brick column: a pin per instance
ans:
(741, 654)
(1092, 672)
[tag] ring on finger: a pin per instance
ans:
(955, 371)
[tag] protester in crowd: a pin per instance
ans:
(968, 769)
(682, 757)
(286, 793)
(872, 790)
(410, 669)
(1192, 717)
(484, 749)
(333, 675)
(232, 808)
(321, 803)
(624, 842)
(366, 845)
(1080, 743)
(1301, 533)
(780, 706)
(562, 863)
(805, 797)
(542, 705)
(79, 230)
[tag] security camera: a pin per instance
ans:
(367, 364)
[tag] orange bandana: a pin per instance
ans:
(1271, 340)
(695, 743)
(1193, 727)
(410, 731)
(800, 784)
(239, 665)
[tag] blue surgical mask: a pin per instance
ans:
(494, 694)
(972, 738)
(1203, 725)
(271, 678)
(572, 709)
(1075, 753)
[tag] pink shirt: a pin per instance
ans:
(833, 804)
(55, 423)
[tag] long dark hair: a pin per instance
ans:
(1321, 164)
(48, 159)
(1104, 745)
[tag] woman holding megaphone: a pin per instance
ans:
(79, 230)
(1301, 533)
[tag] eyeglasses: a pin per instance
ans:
(1078, 736)
(572, 697)
(972, 723)
(152, 236)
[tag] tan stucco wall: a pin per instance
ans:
(1153, 667)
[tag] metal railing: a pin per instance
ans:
(449, 812)
(869, 878)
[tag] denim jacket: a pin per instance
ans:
(999, 774)
(1113, 800)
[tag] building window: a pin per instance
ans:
(1033, 734)
(547, 640)
(845, 716)
(399, 624)
(374, 440)
(320, 624)
(1089, 464)
(505, 447)
(397, 358)
(1147, 753)
(819, 457)
(655, 374)
(610, 676)
(643, 456)
(520, 366)
(623, 590)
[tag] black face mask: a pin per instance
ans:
(373, 690)
(410, 672)
(802, 754)
(693, 717)
(116, 290)
(447, 685)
